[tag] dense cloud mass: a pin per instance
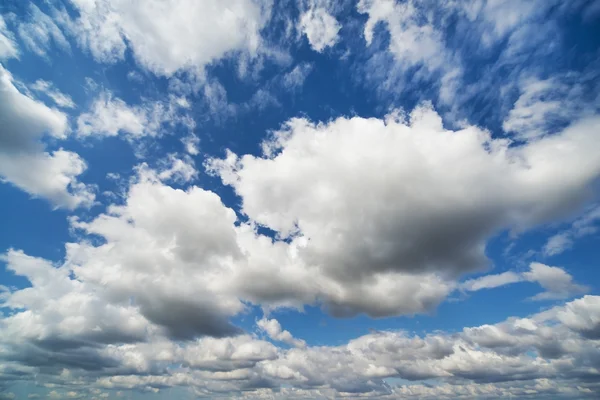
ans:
(416, 180)
(112, 345)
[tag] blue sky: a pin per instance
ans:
(255, 199)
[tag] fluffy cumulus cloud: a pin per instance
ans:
(445, 193)
(168, 36)
(23, 159)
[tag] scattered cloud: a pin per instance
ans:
(492, 281)
(294, 79)
(557, 283)
(320, 27)
(8, 47)
(59, 98)
(41, 31)
(272, 327)
(111, 116)
(23, 159)
(581, 227)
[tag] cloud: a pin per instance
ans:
(455, 52)
(509, 358)
(558, 283)
(492, 281)
(544, 104)
(59, 98)
(40, 32)
(23, 159)
(180, 170)
(166, 37)
(416, 50)
(320, 27)
(582, 316)
(111, 116)
(146, 306)
(272, 327)
(8, 47)
(398, 200)
(191, 144)
(294, 79)
(581, 227)
(414, 39)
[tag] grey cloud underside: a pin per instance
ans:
(184, 320)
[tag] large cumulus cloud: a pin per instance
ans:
(405, 200)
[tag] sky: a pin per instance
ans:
(299, 199)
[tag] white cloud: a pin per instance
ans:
(273, 328)
(320, 27)
(111, 116)
(40, 32)
(414, 40)
(581, 227)
(180, 170)
(296, 77)
(168, 36)
(59, 98)
(191, 144)
(544, 104)
(8, 47)
(557, 244)
(23, 159)
(582, 315)
(108, 116)
(405, 204)
(492, 281)
(557, 282)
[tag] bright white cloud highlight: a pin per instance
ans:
(168, 36)
(273, 328)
